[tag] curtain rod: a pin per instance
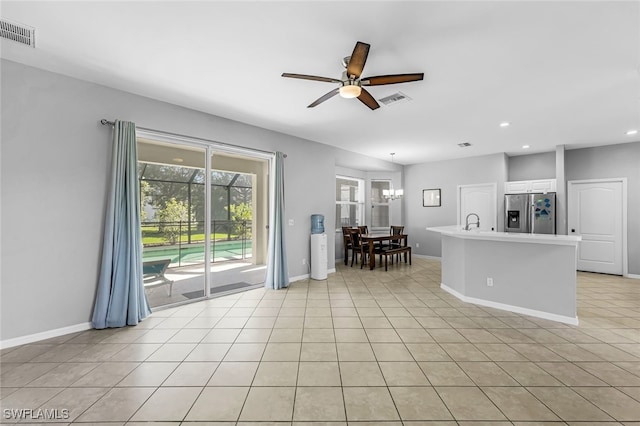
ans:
(106, 122)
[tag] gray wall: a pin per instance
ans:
(55, 166)
(446, 175)
(532, 166)
(613, 161)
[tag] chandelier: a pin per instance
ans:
(392, 194)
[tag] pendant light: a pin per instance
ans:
(392, 194)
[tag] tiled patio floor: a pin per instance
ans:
(189, 279)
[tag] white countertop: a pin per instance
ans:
(475, 234)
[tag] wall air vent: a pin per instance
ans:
(395, 98)
(464, 144)
(17, 32)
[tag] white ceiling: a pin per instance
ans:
(560, 72)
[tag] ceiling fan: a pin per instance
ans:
(351, 84)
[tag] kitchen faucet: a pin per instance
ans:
(466, 228)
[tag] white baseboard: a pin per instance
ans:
(30, 338)
(424, 256)
(511, 308)
(307, 276)
(299, 278)
(634, 276)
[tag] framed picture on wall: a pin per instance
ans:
(431, 197)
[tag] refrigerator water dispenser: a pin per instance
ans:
(513, 219)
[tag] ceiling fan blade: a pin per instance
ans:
(358, 59)
(380, 80)
(323, 98)
(366, 98)
(311, 77)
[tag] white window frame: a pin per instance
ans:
(384, 203)
(359, 203)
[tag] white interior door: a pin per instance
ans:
(596, 213)
(481, 200)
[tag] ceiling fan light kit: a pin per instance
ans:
(350, 91)
(351, 83)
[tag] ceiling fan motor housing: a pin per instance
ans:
(346, 81)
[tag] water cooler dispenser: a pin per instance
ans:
(318, 248)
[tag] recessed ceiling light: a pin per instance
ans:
(525, 147)
(505, 124)
(632, 132)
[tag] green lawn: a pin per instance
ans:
(155, 238)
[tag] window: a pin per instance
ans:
(349, 202)
(379, 205)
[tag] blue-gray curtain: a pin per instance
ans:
(277, 273)
(120, 299)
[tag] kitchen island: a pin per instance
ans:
(531, 274)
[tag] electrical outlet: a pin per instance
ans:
(489, 282)
(291, 222)
(304, 261)
(417, 245)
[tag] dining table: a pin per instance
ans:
(374, 238)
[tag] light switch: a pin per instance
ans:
(290, 222)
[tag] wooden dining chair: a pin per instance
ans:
(394, 244)
(364, 229)
(357, 246)
(346, 241)
(396, 230)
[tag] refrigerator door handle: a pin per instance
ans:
(531, 210)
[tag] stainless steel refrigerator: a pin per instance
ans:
(530, 213)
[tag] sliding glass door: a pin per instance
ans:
(204, 222)
(239, 212)
(173, 217)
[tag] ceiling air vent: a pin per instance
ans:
(464, 144)
(395, 98)
(17, 32)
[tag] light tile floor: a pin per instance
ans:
(363, 346)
